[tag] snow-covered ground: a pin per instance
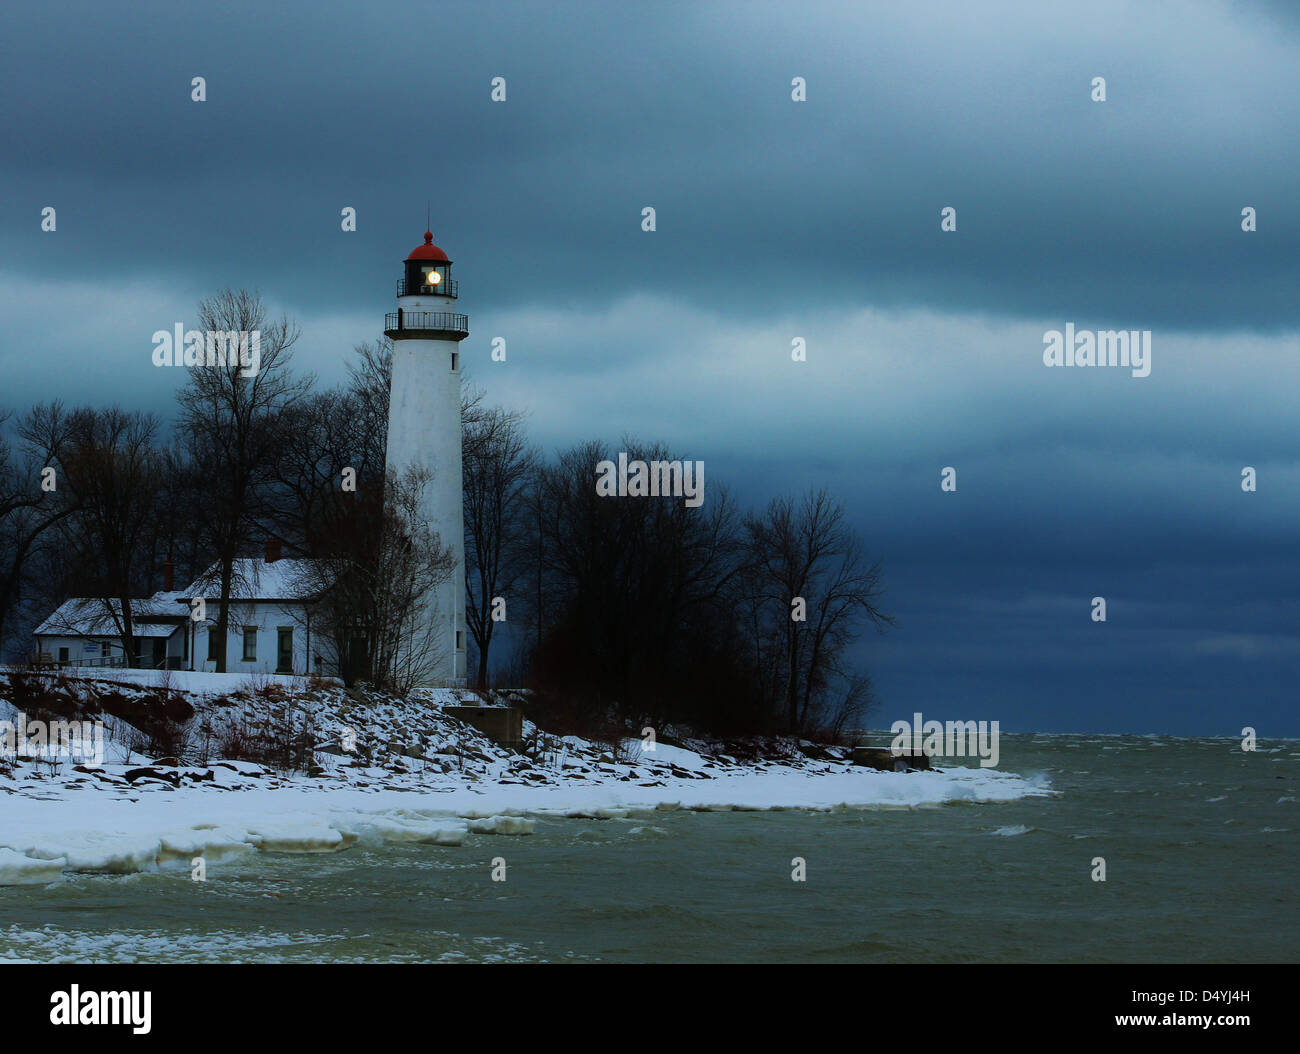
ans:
(382, 768)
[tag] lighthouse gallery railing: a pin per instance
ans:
(426, 321)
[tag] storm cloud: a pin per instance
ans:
(775, 220)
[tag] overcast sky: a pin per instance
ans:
(775, 219)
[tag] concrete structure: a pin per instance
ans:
(424, 432)
(503, 725)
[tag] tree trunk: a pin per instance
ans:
(223, 615)
(128, 630)
(792, 684)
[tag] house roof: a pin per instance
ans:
(95, 617)
(159, 615)
(257, 580)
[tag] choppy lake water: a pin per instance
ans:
(1201, 843)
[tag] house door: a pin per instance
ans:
(159, 653)
(357, 665)
(284, 650)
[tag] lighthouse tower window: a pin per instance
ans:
(455, 361)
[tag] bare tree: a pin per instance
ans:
(332, 447)
(27, 513)
(811, 582)
(371, 589)
(370, 378)
(108, 475)
(499, 465)
(234, 418)
(854, 701)
(639, 614)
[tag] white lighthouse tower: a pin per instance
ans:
(424, 432)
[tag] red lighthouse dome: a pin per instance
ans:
(428, 251)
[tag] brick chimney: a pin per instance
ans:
(169, 575)
(272, 550)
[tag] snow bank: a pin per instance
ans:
(195, 681)
(41, 837)
(386, 769)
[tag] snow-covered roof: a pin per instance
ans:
(283, 580)
(95, 617)
(257, 580)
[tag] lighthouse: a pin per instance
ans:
(424, 433)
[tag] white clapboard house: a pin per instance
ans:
(270, 625)
(86, 631)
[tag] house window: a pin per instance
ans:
(105, 649)
(250, 643)
(284, 649)
(63, 656)
(212, 644)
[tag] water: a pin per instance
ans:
(1200, 842)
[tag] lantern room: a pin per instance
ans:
(428, 272)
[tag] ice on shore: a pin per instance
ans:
(16, 869)
(502, 825)
(417, 775)
(42, 837)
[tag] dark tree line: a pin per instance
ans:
(631, 609)
(709, 616)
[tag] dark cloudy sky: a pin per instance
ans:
(775, 220)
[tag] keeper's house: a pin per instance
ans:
(270, 625)
(87, 631)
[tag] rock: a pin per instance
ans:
(163, 781)
(886, 761)
(152, 774)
